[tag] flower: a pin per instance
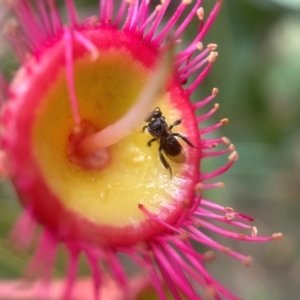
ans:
(73, 147)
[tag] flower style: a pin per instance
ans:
(73, 147)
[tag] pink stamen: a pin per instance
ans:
(179, 31)
(211, 128)
(216, 173)
(72, 13)
(44, 17)
(213, 14)
(204, 117)
(148, 21)
(117, 268)
(70, 75)
(211, 281)
(86, 43)
(199, 79)
(3, 89)
(23, 232)
(155, 280)
(207, 214)
(154, 218)
(207, 100)
(168, 27)
(143, 13)
(216, 153)
(205, 240)
(209, 144)
(187, 267)
(96, 273)
(121, 13)
(71, 274)
(195, 64)
(173, 268)
(162, 263)
(55, 18)
(43, 260)
(226, 210)
(109, 11)
(150, 35)
(129, 17)
(135, 15)
(213, 185)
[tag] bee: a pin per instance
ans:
(167, 140)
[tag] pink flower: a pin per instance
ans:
(74, 149)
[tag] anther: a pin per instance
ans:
(212, 47)
(247, 261)
(229, 216)
(254, 231)
(183, 235)
(209, 256)
(200, 13)
(233, 156)
(199, 188)
(11, 27)
(158, 8)
(212, 56)
(277, 236)
(215, 91)
(187, 2)
(231, 147)
(216, 106)
(210, 292)
(229, 209)
(226, 250)
(224, 121)
(199, 46)
(196, 224)
(226, 140)
(221, 184)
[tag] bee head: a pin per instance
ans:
(156, 113)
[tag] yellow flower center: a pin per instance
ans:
(105, 89)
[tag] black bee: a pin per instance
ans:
(162, 133)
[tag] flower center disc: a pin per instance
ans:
(100, 205)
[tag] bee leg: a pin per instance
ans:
(150, 142)
(144, 127)
(164, 162)
(175, 124)
(185, 139)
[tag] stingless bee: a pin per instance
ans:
(168, 143)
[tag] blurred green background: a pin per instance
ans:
(258, 74)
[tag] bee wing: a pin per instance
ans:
(173, 149)
(179, 158)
